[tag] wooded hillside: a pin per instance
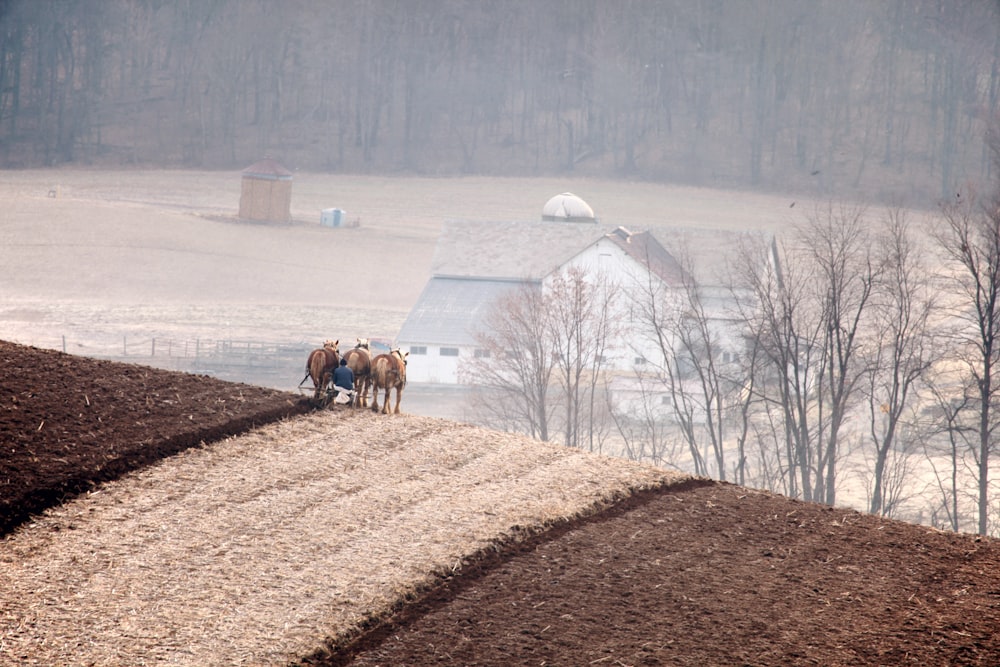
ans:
(887, 100)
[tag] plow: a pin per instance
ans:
(325, 395)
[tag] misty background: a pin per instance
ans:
(887, 101)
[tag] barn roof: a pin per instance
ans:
(709, 254)
(477, 262)
(268, 170)
(449, 310)
(532, 250)
(646, 249)
(509, 250)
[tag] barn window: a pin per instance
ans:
(418, 349)
(449, 351)
(730, 357)
(482, 354)
(639, 361)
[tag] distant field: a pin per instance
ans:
(96, 258)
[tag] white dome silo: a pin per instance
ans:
(567, 207)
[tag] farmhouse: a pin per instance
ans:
(475, 263)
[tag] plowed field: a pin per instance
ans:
(367, 539)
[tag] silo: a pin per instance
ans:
(567, 207)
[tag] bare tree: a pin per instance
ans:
(770, 468)
(664, 312)
(446, 87)
(700, 359)
(541, 338)
(969, 234)
(746, 402)
(704, 392)
(515, 370)
(902, 351)
(643, 425)
(838, 241)
(806, 319)
(949, 408)
(783, 322)
(580, 330)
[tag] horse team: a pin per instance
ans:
(384, 372)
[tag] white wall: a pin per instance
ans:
(432, 367)
(615, 268)
(631, 280)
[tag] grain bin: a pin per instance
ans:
(267, 192)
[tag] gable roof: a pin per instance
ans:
(645, 249)
(533, 250)
(449, 308)
(477, 262)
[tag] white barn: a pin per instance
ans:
(477, 262)
(474, 264)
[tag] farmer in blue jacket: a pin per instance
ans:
(343, 383)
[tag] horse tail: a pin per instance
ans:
(377, 371)
(318, 369)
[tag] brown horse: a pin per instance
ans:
(320, 366)
(388, 372)
(359, 360)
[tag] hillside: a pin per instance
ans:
(347, 537)
(888, 101)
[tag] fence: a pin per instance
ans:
(277, 365)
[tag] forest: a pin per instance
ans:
(885, 101)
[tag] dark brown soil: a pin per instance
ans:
(697, 574)
(712, 574)
(68, 423)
